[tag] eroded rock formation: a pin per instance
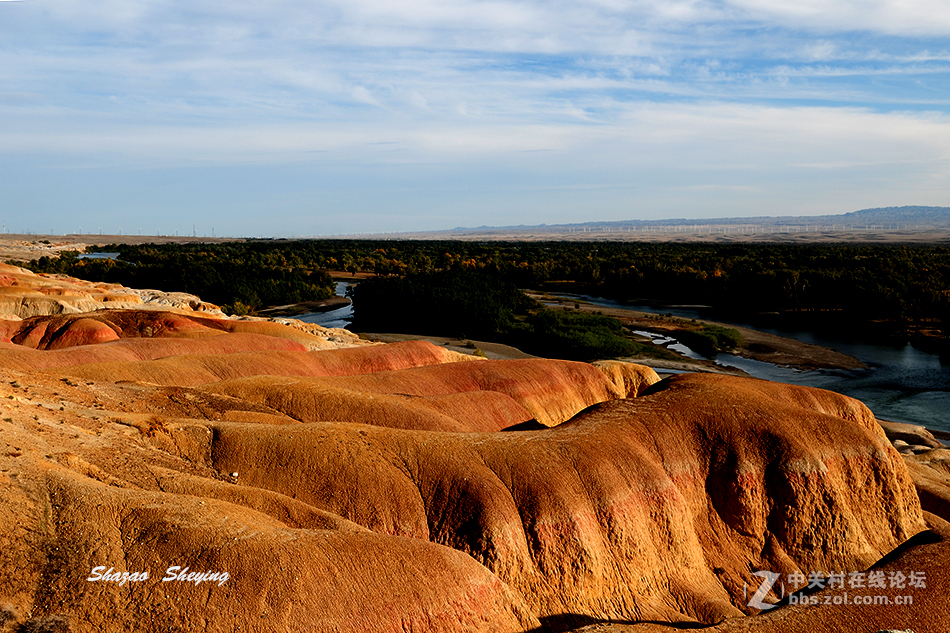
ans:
(404, 487)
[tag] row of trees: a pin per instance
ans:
(906, 285)
(239, 279)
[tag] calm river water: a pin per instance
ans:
(901, 384)
(340, 317)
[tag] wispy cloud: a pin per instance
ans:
(894, 17)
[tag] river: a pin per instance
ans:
(341, 317)
(901, 384)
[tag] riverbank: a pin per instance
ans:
(500, 351)
(898, 383)
(892, 396)
(298, 309)
(759, 346)
(337, 301)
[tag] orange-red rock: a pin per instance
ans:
(551, 391)
(82, 332)
(630, 379)
(328, 576)
(626, 511)
(202, 361)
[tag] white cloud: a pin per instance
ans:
(713, 136)
(895, 17)
(363, 95)
(822, 50)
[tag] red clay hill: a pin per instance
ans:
(166, 468)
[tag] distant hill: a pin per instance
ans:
(912, 216)
(923, 216)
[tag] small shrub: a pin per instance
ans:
(237, 308)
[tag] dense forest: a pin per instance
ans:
(241, 277)
(907, 287)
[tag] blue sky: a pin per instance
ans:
(293, 118)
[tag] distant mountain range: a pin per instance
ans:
(924, 216)
(885, 217)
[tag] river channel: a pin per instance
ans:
(341, 317)
(901, 384)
